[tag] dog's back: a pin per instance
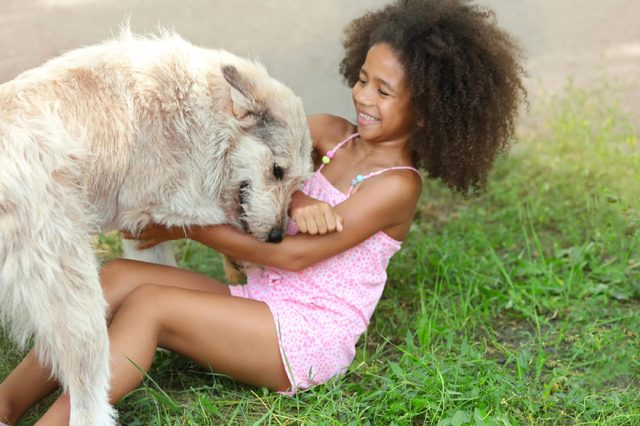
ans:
(64, 119)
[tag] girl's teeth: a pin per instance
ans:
(367, 117)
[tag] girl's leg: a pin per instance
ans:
(120, 277)
(230, 335)
(30, 382)
(27, 384)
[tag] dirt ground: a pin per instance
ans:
(589, 41)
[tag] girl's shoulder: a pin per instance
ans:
(327, 130)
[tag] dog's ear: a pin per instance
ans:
(245, 108)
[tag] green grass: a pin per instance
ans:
(520, 306)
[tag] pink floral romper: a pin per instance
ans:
(321, 311)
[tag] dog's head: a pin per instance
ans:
(271, 157)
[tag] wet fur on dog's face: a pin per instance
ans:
(272, 156)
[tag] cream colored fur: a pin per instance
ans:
(115, 136)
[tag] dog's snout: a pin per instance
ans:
(275, 235)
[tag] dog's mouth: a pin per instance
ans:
(242, 200)
(275, 235)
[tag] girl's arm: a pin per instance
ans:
(313, 216)
(327, 130)
(388, 203)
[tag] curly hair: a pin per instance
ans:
(464, 74)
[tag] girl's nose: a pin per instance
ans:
(363, 97)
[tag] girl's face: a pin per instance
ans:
(381, 97)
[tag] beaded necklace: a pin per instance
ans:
(326, 159)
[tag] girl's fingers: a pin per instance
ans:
(319, 223)
(302, 226)
(144, 234)
(322, 225)
(333, 221)
(329, 221)
(312, 226)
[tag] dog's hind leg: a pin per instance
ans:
(49, 288)
(161, 254)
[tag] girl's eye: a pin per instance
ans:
(382, 92)
(362, 81)
(278, 172)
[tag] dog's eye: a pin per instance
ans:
(278, 172)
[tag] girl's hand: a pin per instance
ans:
(156, 234)
(313, 216)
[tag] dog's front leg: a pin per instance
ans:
(83, 355)
(50, 289)
(72, 333)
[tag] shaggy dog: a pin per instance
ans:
(115, 136)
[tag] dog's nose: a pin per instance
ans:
(275, 235)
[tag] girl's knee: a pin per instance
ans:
(142, 307)
(143, 299)
(116, 270)
(117, 279)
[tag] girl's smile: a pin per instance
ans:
(365, 119)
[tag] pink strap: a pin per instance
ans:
(393, 168)
(331, 152)
(360, 178)
(379, 172)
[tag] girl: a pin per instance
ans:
(435, 84)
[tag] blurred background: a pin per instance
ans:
(590, 41)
